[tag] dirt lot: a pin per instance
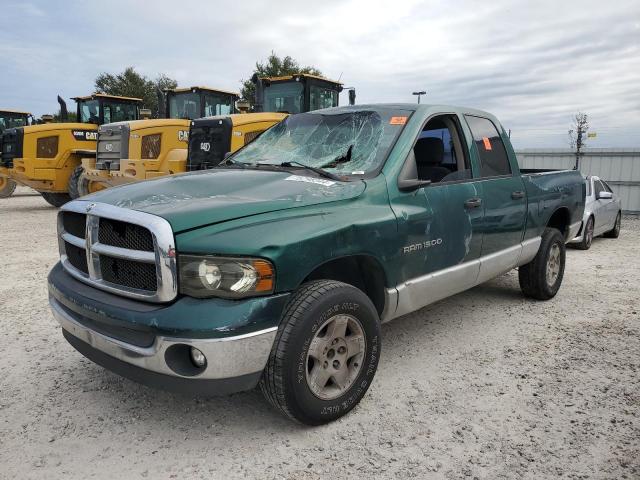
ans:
(485, 384)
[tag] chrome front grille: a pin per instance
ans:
(121, 251)
(113, 145)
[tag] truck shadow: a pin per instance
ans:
(248, 412)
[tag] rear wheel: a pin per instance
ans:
(7, 187)
(615, 232)
(74, 179)
(56, 199)
(541, 277)
(325, 353)
(587, 236)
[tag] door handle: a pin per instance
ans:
(517, 194)
(473, 202)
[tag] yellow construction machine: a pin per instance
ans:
(210, 139)
(140, 150)
(10, 119)
(147, 149)
(44, 157)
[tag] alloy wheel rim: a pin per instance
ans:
(335, 356)
(553, 265)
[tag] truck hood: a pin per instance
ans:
(197, 199)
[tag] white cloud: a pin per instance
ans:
(534, 64)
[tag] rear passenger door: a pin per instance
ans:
(503, 199)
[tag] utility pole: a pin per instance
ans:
(419, 94)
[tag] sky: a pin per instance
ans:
(533, 64)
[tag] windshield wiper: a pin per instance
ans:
(319, 171)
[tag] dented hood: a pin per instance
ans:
(202, 198)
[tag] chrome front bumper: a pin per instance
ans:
(227, 358)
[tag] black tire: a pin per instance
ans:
(533, 275)
(56, 199)
(74, 180)
(615, 231)
(587, 236)
(284, 381)
(7, 187)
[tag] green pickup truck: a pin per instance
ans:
(277, 267)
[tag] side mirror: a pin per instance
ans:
(406, 185)
(604, 195)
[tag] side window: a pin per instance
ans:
(493, 156)
(107, 113)
(438, 152)
(597, 185)
(606, 186)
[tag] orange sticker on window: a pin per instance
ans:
(398, 120)
(487, 143)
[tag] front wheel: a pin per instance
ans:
(587, 236)
(325, 354)
(7, 187)
(55, 199)
(541, 277)
(615, 231)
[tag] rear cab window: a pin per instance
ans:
(494, 161)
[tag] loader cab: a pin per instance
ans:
(197, 102)
(99, 109)
(13, 119)
(295, 93)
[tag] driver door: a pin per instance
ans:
(440, 224)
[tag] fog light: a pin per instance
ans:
(198, 358)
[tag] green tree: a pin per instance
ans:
(130, 83)
(275, 66)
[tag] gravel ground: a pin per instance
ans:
(485, 384)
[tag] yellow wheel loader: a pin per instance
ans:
(10, 119)
(210, 139)
(140, 150)
(148, 149)
(44, 157)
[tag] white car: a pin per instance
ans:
(602, 213)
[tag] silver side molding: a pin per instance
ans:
(419, 292)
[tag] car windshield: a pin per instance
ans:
(344, 141)
(184, 105)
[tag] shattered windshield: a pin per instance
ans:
(341, 141)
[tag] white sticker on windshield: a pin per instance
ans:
(319, 181)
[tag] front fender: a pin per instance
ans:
(301, 239)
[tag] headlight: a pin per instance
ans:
(227, 277)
